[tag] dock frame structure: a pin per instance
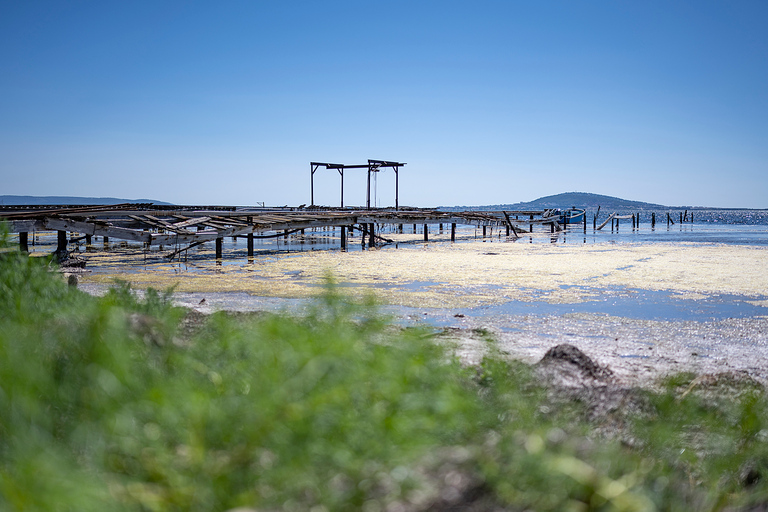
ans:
(184, 227)
(372, 166)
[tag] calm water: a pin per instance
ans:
(742, 227)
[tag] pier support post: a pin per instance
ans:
(24, 241)
(371, 235)
(483, 230)
(653, 220)
(249, 239)
(453, 232)
(530, 226)
(219, 245)
(414, 229)
(61, 241)
(426, 233)
(343, 238)
(585, 223)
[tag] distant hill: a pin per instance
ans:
(567, 200)
(38, 200)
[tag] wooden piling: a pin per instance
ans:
(219, 247)
(371, 235)
(653, 220)
(414, 229)
(483, 230)
(61, 245)
(453, 232)
(249, 238)
(343, 238)
(24, 241)
(426, 233)
(530, 226)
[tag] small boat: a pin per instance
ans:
(572, 216)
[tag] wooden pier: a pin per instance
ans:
(188, 226)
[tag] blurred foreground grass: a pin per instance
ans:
(116, 403)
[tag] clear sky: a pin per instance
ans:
(488, 102)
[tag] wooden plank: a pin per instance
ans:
(25, 226)
(229, 221)
(99, 229)
(191, 222)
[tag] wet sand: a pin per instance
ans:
(644, 309)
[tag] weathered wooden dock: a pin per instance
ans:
(188, 226)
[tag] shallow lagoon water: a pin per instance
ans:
(645, 302)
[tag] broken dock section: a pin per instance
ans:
(188, 226)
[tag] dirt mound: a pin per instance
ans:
(571, 375)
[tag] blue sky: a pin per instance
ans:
(488, 102)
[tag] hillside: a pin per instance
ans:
(38, 200)
(567, 200)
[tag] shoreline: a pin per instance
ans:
(645, 310)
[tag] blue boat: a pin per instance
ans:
(572, 216)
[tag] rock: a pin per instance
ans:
(566, 366)
(571, 375)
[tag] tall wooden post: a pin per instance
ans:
(219, 246)
(426, 233)
(453, 232)
(343, 238)
(24, 241)
(61, 241)
(371, 235)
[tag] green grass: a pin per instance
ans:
(115, 403)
